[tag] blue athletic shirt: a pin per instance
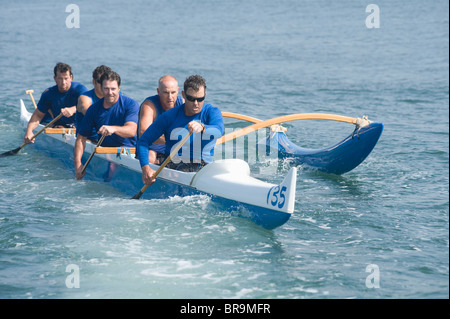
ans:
(54, 100)
(79, 116)
(124, 110)
(173, 124)
(160, 110)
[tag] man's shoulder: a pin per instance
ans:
(210, 108)
(50, 95)
(89, 93)
(128, 100)
(78, 87)
(50, 90)
(153, 98)
(154, 103)
(171, 114)
(173, 111)
(96, 105)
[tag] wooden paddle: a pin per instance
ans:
(172, 154)
(61, 130)
(32, 98)
(14, 151)
(116, 150)
(92, 154)
(282, 119)
(30, 92)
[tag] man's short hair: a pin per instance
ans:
(164, 78)
(62, 68)
(97, 73)
(110, 76)
(194, 82)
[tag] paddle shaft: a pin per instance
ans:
(282, 119)
(34, 102)
(47, 125)
(32, 98)
(172, 154)
(14, 151)
(92, 154)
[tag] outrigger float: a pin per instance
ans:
(336, 159)
(227, 181)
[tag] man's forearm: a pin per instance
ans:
(32, 124)
(126, 131)
(80, 145)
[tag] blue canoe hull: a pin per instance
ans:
(129, 182)
(337, 159)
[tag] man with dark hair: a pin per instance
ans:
(115, 116)
(90, 97)
(194, 82)
(203, 120)
(61, 98)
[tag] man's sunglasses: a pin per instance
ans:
(193, 99)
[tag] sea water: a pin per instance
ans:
(379, 231)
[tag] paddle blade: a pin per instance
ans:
(12, 152)
(138, 195)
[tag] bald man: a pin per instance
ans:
(155, 105)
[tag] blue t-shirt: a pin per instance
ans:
(54, 100)
(79, 116)
(124, 110)
(173, 124)
(160, 110)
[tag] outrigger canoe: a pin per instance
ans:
(227, 181)
(339, 158)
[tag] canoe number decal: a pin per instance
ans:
(276, 196)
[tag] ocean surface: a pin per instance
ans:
(379, 231)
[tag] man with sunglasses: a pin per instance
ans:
(202, 119)
(155, 105)
(90, 97)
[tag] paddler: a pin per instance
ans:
(202, 119)
(115, 116)
(90, 97)
(61, 98)
(155, 105)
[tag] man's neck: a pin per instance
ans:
(62, 92)
(107, 105)
(98, 94)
